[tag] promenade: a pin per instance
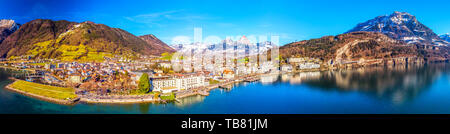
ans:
(205, 90)
(118, 98)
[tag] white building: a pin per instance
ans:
(180, 82)
(75, 78)
(296, 60)
(286, 68)
(165, 65)
(266, 67)
(308, 65)
(228, 74)
(303, 60)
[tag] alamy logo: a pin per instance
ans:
(241, 54)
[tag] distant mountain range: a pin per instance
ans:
(394, 36)
(86, 41)
(349, 47)
(401, 26)
(445, 37)
(242, 45)
(399, 34)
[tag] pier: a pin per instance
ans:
(228, 87)
(251, 79)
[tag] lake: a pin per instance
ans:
(412, 89)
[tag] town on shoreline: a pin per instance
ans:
(143, 81)
(95, 63)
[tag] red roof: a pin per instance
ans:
(227, 71)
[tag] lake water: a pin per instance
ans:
(404, 90)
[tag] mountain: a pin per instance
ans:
(7, 27)
(67, 41)
(241, 46)
(445, 37)
(401, 26)
(362, 48)
(395, 38)
(158, 46)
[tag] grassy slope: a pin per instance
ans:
(69, 52)
(83, 42)
(378, 46)
(169, 96)
(45, 90)
(71, 41)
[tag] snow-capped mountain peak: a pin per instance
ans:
(7, 27)
(401, 17)
(401, 26)
(445, 37)
(244, 40)
(9, 24)
(242, 44)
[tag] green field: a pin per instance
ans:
(45, 90)
(70, 53)
(168, 96)
(212, 82)
(38, 64)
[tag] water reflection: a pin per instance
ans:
(302, 77)
(396, 83)
(296, 93)
(268, 78)
(188, 101)
(144, 108)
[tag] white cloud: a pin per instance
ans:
(181, 40)
(151, 16)
(174, 15)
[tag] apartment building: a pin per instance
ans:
(177, 82)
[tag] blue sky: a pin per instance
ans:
(291, 20)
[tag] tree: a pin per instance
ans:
(127, 74)
(144, 83)
(166, 56)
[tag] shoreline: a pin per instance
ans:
(116, 101)
(16, 69)
(204, 91)
(127, 99)
(131, 99)
(44, 98)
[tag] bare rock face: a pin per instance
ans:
(7, 27)
(349, 47)
(158, 46)
(401, 26)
